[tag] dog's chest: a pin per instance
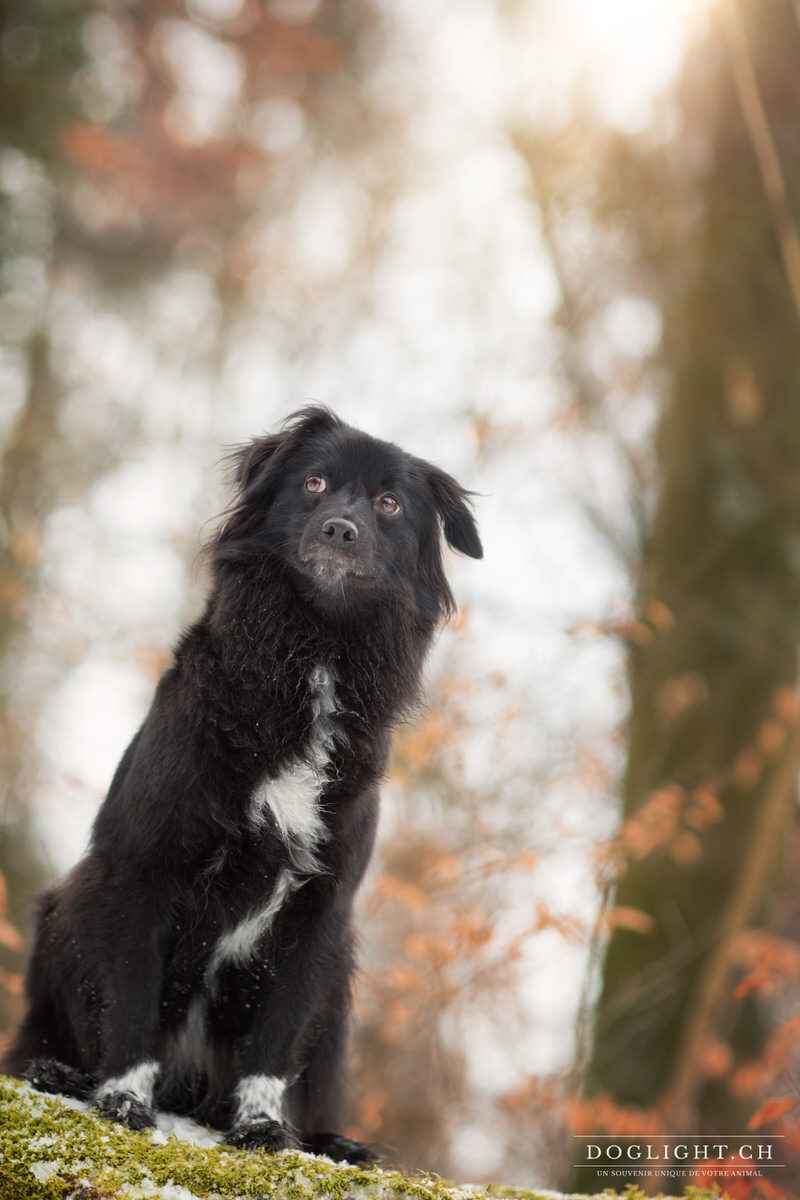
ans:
(291, 800)
(288, 804)
(283, 832)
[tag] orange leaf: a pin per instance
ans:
(370, 1110)
(9, 936)
(753, 981)
(660, 615)
(633, 919)
(770, 1111)
(787, 704)
(686, 849)
(405, 978)
(717, 1059)
(12, 983)
(390, 887)
(569, 927)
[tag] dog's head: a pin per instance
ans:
(350, 518)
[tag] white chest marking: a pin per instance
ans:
(239, 943)
(259, 1096)
(188, 1051)
(137, 1082)
(292, 796)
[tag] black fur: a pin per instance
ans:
(124, 965)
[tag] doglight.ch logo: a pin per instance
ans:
(702, 1158)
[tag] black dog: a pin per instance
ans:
(199, 958)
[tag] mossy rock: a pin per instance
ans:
(52, 1150)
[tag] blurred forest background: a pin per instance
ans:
(554, 247)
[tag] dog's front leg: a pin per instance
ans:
(268, 1056)
(260, 1115)
(129, 1066)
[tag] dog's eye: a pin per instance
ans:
(387, 504)
(315, 483)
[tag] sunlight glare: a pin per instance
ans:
(628, 50)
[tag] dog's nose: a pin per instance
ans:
(339, 531)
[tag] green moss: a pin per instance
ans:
(51, 1151)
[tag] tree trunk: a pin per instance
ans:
(713, 749)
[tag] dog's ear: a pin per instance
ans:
(248, 462)
(452, 504)
(254, 470)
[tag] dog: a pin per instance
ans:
(199, 958)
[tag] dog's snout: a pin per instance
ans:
(339, 531)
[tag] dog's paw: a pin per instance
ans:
(266, 1135)
(50, 1075)
(340, 1149)
(126, 1109)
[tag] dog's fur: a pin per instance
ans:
(199, 957)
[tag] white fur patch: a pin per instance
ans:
(292, 797)
(260, 1096)
(188, 1051)
(239, 943)
(137, 1082)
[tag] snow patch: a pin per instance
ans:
(45, 1170)
(170, 1125)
